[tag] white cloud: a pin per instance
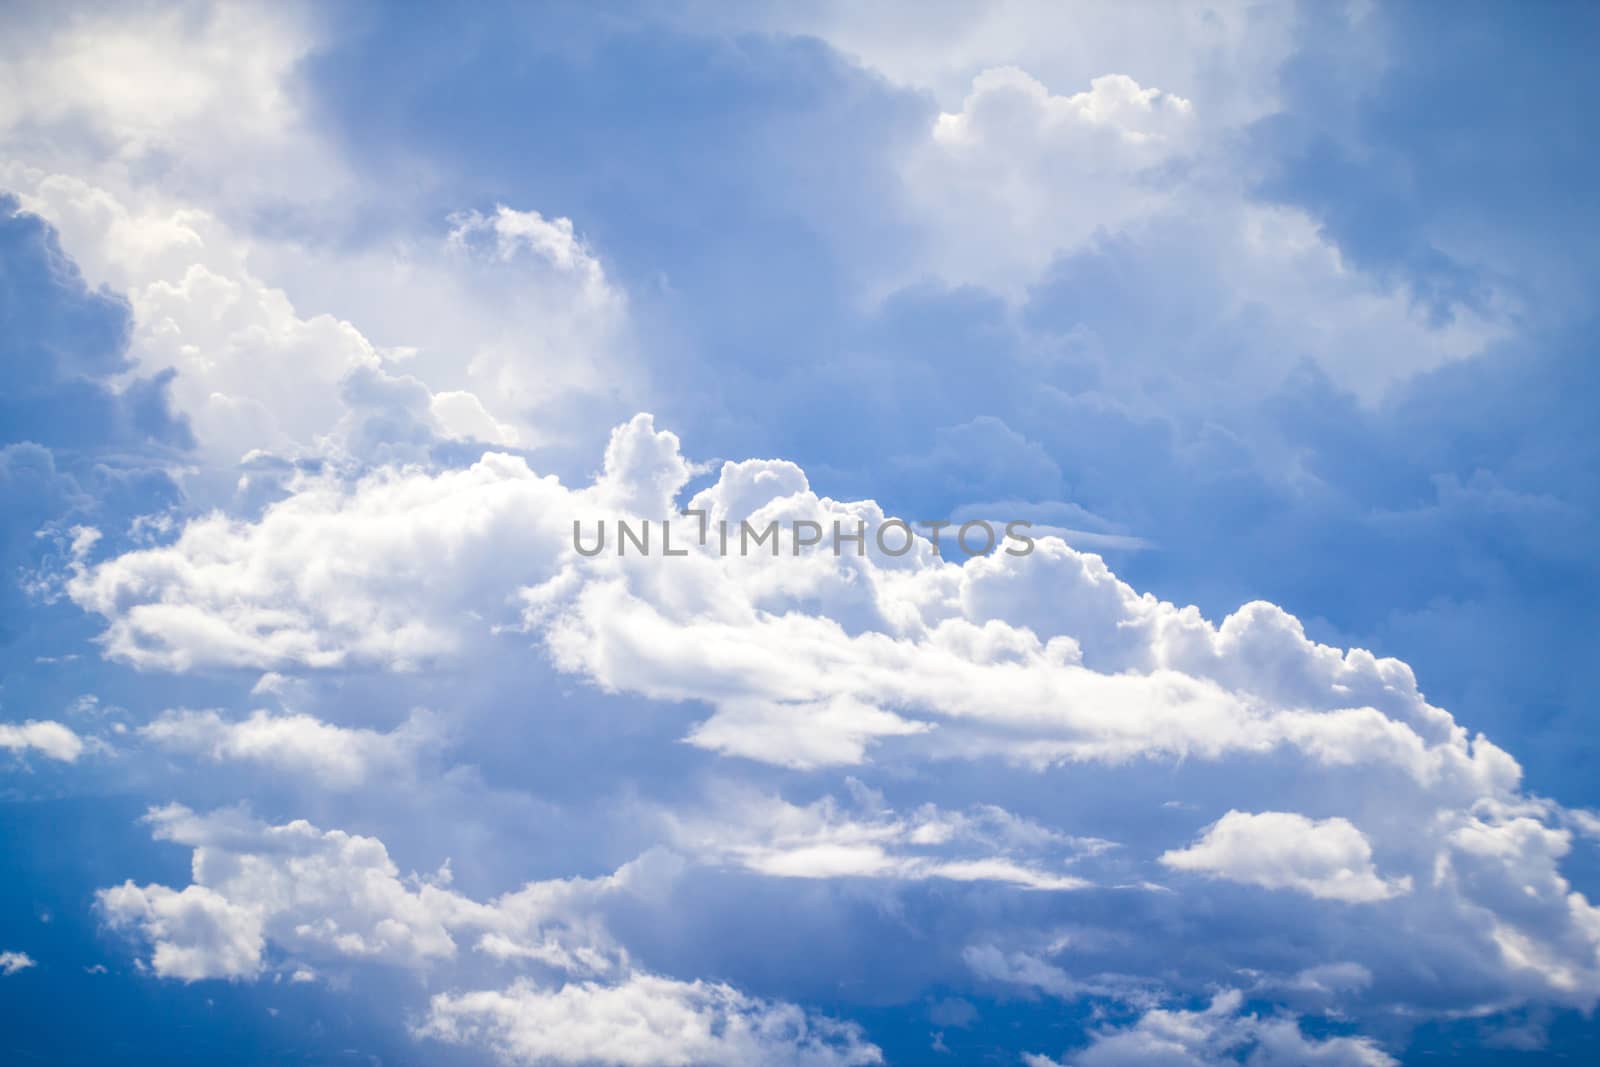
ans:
(1227, 53)
(185, 90)
(311, 891)
(1331, 978)
(1085, 130)
(1219, 1034)
(1327, 858)
(340, 757)
(392, 574)
(150, 139)
(826, 839)
(330, 895)
(643, 1021)
(133, 137)
(52, 739)
(12, 962)
(256, 373)
(994, 964)
(1119, 185)
(1046, 662)
(194, 933)
(553, 240)
(1019, 175)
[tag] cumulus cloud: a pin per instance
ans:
(1033, 973)
(195, 933)
(50, 739)
(826, 839)
(1327, 858)
(189, 91)
(254, 373)
(1229, 53)
(553, 240)
(644, 1021)
(1043, 197)
(337, 756)
(332, 895)
(809, 660)
(1219, 1034)
(1019, 174)
(12, 962)
(312, 891)
(342, 561)
(1050, 161)
(319, 896)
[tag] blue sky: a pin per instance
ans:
(318, 743)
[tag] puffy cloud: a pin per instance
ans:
(825, 839)
(1051, 667)
(250, 371)
(52, 739)
(195, 933)
(644, 1021)
(331, 895)
(187, 91)
(811, 660)
(12, 962)
(1019, 174)
(479, 319)
(553, 240)
(991, 963)
(1220, 1034)
(338, 756)
(1094, 213)
(319, 893)
(328, 896)
(330, 573)
(1228, 54)
(1328, 858)
(81, 438)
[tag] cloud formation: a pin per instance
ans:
(645, 1021)
(1221, 1033)
(50, 739)
(340, 757)
(1327, 858)
(1047, 662)
(13, 962)
(306, 897)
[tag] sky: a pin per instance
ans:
(323, 327)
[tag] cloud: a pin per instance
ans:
(1230, 54)
(52, 739)
(195, 933)
(331, 895)
(1019, 175)
(825, 839)
(990, 963)
(315, 892)
(337, 756)
(81, 437)
(321, 896)
(553, 240)
(1327, 858)
(329, 571)
(12, 962)
(644, 1021)
(1047, 663)
(189, 92)
(1405, 848)
(1220, 1034)
(479, 315)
